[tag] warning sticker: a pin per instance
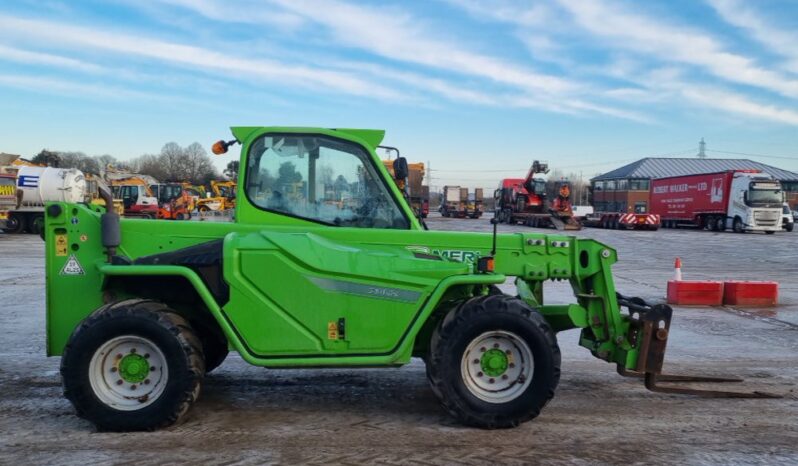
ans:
(72, 267)
(60, 245)
(332, 330)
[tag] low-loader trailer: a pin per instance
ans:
(140, 311)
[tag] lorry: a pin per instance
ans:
(34, 184)
(454, 202)
(525, 201)
(141, 311)
(475, 204)
(417, 192)
(742, 200)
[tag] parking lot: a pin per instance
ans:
(249, 415)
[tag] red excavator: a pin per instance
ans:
(524, 201)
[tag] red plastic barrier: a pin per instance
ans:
(695, 293)
(741, 293)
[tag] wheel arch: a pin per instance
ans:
(447, 296)
(193, 299)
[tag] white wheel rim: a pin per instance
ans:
(127, 386)
(492, 383)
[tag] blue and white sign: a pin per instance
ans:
(27, 181)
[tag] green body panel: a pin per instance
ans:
(306, 294)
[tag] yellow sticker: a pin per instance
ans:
(332, 330)
(60, 245)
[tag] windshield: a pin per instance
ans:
(785, 209)
(764, 197)
(322, 179)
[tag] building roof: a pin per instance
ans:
(655, 168)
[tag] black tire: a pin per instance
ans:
(214, 346)
(135, 318)
(720, 224)
(770, 232)
(789, 226)
(16, 224)
(737, 225)
(468, 322)
(37, 225)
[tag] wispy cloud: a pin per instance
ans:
(400, 37)
(171, 54)
(744, 16)
(679, 44)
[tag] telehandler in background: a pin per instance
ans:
(140, 311)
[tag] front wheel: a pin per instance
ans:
(133, 365)
(494, 362)
(737, 225)
(790, 226)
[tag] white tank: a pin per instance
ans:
(47, 184)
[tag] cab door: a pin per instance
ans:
(294, 290)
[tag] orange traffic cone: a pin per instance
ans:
(678, 270)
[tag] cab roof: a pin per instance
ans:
(372, 137)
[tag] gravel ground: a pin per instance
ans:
(248, 415)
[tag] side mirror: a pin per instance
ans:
(400, 170)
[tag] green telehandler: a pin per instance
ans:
(325, 265)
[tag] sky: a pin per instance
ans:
(475, 89)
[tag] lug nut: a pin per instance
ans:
(491, 380)
(113, 369)
(132, 350)
(480, 374)
(146, 381)
(153, 368)
(508, 351)
(119, 356)
(146, 355)
(483, 349)
(512, 365)
(119, 382)
(504, 377)
(132, 387)
(476, 361)
(495, 345)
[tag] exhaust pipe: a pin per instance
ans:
(109, 225)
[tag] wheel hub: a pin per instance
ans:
(494, 362)
(134, 368)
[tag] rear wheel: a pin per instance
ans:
(37, 225)
(15, 224)
(133, 365)
(494, 362)
(720, 224)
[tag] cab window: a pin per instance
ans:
(320, 178)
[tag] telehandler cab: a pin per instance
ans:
(325, 265)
